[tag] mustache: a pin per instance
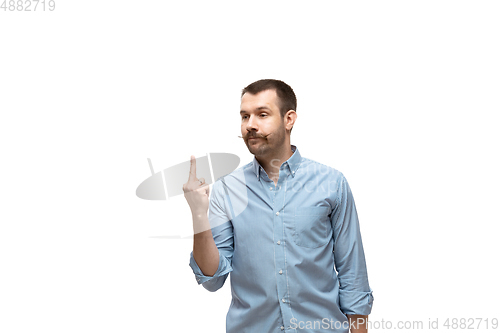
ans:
(249, 135)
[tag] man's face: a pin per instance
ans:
(262, 126)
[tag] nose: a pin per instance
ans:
(251, 124)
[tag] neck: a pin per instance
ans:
(272, 164)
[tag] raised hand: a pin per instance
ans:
(196, 191)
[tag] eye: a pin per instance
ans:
(263, 115)
(244, 117)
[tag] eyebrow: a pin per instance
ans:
(260, 108)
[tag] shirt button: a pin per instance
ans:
(277, 213)
(271, 188)
(282, 328)
(278, 242)
(283, 300)
(281, 271)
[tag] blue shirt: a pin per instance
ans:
(293, 249)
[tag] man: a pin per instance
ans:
(284, 226)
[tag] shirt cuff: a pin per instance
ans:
(356, 302)
(223, 269)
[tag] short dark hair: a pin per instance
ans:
(285, 93)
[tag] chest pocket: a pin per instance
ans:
(312, 227)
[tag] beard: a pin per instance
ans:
(268, 145)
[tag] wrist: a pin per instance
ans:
(200, 222)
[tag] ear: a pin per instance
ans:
(289, 119)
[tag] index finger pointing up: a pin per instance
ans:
(192, 170)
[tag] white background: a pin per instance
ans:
(401, 96)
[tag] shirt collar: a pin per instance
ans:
(292, 163)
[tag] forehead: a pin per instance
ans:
(265, 99)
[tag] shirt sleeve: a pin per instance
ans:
(355, 293)
(222, 232)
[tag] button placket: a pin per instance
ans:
(280, 252)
